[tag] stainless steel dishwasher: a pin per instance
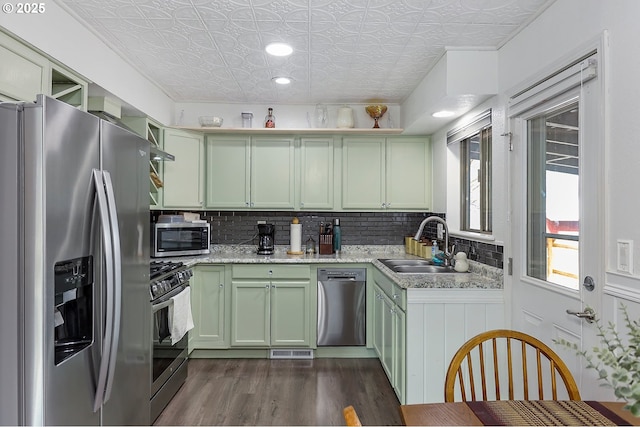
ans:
(342, 319)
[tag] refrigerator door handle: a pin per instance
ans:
(108, 264)
(117, 282)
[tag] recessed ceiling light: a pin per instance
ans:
(282, 80)
(443, 113)
(278, 49)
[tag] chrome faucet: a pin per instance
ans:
(447, 255)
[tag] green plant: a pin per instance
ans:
(617, 361)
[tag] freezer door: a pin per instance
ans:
(9, 265)
(61, 148)
(126, 157)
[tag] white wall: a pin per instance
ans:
(59, 35)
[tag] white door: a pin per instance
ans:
(557, 219)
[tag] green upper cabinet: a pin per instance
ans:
(386, 173)
(184, 177)
(316, 174)
(25, 73)
(408, 168)
(228, 172)
(363, 173)
(272, 173)
(245, 172)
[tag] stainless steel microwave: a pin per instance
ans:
(179, 239)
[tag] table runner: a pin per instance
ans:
(545, 413)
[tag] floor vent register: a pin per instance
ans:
(291, 354)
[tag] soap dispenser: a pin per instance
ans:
(434, 248)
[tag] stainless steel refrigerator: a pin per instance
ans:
(75, 318)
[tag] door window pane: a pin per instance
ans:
(553, 226)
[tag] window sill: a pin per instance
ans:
(473, 236)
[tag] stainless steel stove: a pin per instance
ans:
(168, 279)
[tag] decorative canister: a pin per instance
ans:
(461, 264)
(345, 117)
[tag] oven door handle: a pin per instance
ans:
(165, 300)
(157, 307)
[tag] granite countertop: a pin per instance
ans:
(480, 276)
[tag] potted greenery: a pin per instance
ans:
(617, 362)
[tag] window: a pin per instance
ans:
(553, 177)
(476, 182)
(475, 173)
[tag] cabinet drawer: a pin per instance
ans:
(270, 271)
(391, 289)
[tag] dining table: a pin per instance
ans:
(518, 412)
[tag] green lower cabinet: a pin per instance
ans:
(274, 311)
(399, 353)
(250, 314)
(389, 336)
(378, 308)
(209, 296)
(290, 314)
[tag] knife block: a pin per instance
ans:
(326, 244)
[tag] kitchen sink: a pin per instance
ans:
(415, 266)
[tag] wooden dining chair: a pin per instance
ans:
(350, 416)
(504, 364)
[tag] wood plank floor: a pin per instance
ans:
(282, 392)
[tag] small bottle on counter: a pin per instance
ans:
(337, 236)
(270, 119)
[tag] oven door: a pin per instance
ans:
(167, 358)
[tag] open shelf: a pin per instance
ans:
(294, 131)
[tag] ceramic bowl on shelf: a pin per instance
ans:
(210, 121)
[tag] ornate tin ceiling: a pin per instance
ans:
(344, 50)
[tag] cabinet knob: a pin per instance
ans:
(273, 286)
(302, 204)
(383, 205)
(246, 204)
(266, 286)
(395, 296)
(221, 285)
(270, 272)
(251, 204)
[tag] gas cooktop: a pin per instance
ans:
(167, 276)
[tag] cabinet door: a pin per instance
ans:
(399, 353)
(250, 314)
(228, 172)
(316, 182)
(23, 73)
(184, 177)
(408, 180)
(363, 173)
(387, 338)
(378, 308)
(290, 314)
(272, 173)
(208, 305)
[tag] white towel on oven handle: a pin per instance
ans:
(180, 317)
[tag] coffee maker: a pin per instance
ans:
(266, 239)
